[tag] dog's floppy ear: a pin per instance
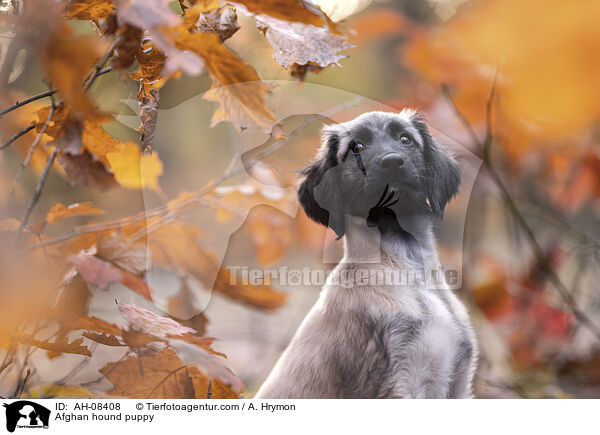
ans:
(442, 175)
(319, 192)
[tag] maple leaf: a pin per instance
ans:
(298, 44)
(164, 376)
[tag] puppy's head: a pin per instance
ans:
(358, 159)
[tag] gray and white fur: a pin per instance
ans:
(379, 180)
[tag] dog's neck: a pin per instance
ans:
(408, 242)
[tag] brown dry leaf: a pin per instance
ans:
(72, 300)
(236, 86)
(222, 21)
(58, 347)
(94, 10)
(261, 296)
(155, 16)
(126, 51)
(197, 322)
(67, 60)
(289, 10)
(92, 324)
(85, 169)
(119, 251)
(59, 211)
(161, 376)
(92, 157)
(301, 44)
(105, 339)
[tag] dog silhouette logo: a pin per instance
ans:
(26, 414)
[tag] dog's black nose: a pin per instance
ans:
(392, 161)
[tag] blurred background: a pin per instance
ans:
(512, 86)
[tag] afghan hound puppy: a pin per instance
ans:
(380, 181)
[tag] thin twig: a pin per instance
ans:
(464, 121)
(38, 192)
(45, 94)
(16, 136)
(32, 149)
(101, 63)
(538, 252)
(21, 384)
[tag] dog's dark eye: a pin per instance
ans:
(356, 147)
(405, 139)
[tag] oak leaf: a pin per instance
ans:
(161, 376)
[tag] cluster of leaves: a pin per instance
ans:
(48, 284)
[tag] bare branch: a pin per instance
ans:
(540, 256)
(45, 94)
(101, 63)
(32, 149)
(37, 193)
(16, 136)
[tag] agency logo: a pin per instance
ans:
(26, 414)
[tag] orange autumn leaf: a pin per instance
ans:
(289, 10)
(236, 86)
(489, 36)
(59, 211)
(94, 10)
(134, 170)
(271, 232)
(67, 61)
